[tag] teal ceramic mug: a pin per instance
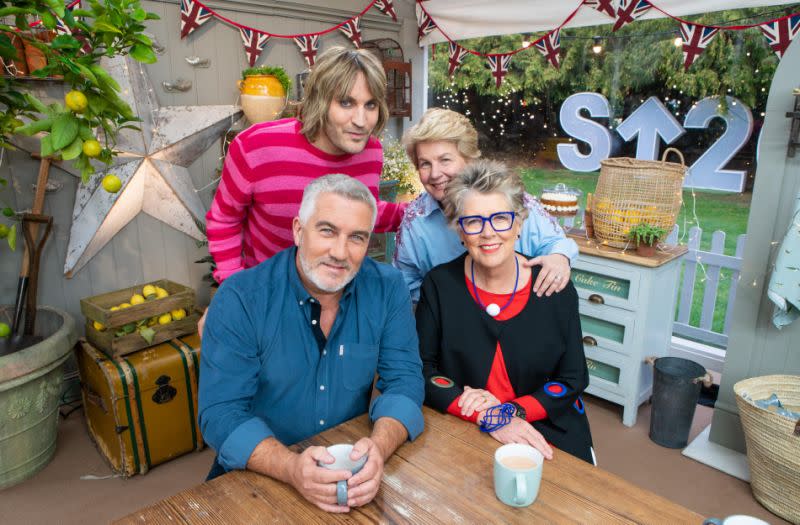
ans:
(517, 474)
(738, 519)
(342, 461)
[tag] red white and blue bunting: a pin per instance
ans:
(194, 14)
(778, 33)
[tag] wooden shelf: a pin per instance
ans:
(665, 253)
(29, 78)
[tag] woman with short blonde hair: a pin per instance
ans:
(441, 144)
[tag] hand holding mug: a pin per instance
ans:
(520, 431)
(346, 458)
(364, 485)
(315, 483)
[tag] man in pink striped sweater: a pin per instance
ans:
(269, 164)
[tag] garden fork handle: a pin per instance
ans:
(29, 220)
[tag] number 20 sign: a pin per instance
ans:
(650, 122)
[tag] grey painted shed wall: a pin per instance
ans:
(755, 346)
(147, 249)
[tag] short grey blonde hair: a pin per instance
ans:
(443, 124)
(331, 78)
(484, 177)
(338, 184)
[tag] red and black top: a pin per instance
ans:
(531, 353)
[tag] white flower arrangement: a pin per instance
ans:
(397, 166)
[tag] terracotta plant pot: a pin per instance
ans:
(646, 250)
(33, 55)
(17, 67)
(263, 98)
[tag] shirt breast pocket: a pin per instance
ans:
(360, 362)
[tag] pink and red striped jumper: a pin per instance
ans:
(266, 169)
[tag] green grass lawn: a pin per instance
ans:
(713, 211)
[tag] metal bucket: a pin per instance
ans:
(30, 386)
(676, 389)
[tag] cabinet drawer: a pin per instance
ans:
(603, 284)
(607, 371)
(606, 327)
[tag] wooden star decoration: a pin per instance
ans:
(151, 164)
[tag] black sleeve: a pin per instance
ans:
(571, 372)
(440, 391)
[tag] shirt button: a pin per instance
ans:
(321, 421)
(322, 387)
(324, 352)
(313, 321)
(301, 303)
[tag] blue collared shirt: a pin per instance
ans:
(425, 240)
(263, 374)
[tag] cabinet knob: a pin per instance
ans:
(589, 340)
(596, 299)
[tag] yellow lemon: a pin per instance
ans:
(76, 101)
(152, 321)
(92, 148)
(149, 291)
(161, 293)
(114, 308)
(178, 314)
(136, 299)
(5, 330)
(165, 319)
(111, 183)
(125, 305)
(98, 326)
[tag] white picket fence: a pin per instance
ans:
(713, 262)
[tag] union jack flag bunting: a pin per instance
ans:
(779, 33)
(604, 6)
(457, 55)
(695, 39)
(629, 10)
(63, 29)
(499, 66)
(550, 47)
(308, 44)
(352, 30)
(425, 26)
(193, 15)
(254, 43)
(387, 8)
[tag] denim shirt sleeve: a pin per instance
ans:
(542, 235)
(406, 259)
(399, 366)
(229, 370)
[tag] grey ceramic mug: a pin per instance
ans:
(341, 454)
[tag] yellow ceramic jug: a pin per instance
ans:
(265, 85)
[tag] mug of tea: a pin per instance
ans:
(517, 474)
(342, 461)
(738, 519)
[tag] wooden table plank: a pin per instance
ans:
(445, 476)
(665, 252)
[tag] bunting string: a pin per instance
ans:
(778, 32)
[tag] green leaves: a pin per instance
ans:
(12, 237)
(73, 150)
(65, 129)
(143, 53)
(147, 334)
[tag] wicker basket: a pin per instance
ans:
(773, 443)
(631, 191)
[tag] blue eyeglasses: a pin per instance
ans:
(474, 224)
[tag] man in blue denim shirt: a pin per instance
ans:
(292, 345)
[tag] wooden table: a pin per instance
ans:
(445, 476)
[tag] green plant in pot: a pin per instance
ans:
(263, 92)
(646, 237)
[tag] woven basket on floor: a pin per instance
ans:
(631, 191)
(773, 443)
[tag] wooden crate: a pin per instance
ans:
(98, 308)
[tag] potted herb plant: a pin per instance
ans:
(646, 237)
(263, 92)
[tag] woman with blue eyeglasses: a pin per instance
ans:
(440, 145)
(493, 352)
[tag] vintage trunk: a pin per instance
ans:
(141, 409)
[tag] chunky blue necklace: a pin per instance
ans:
(493, 309)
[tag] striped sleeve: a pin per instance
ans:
(225, 219)
(390, 214)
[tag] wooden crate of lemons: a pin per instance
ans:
(613, 220)
(130, 319)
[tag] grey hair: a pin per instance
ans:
(484, 177)
(339, 184)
